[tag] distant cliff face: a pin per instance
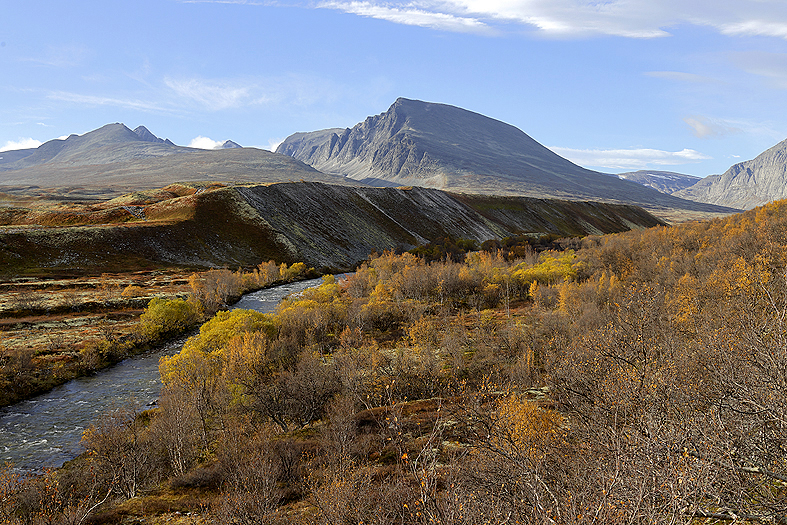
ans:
(441, 146)
(747, 184)
(325, 226)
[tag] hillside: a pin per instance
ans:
(322, 225)
(445, 147)
(746, 184)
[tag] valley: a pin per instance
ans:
(521, 338)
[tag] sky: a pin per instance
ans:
(691, 86)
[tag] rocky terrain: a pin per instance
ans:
(746, 184)
(441, 146)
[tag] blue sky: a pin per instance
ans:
(692, 86)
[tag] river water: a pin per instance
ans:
(45, 431)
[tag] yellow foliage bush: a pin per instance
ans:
(169, 316)
(525, 430)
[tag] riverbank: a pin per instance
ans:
(46, 430)
(55, 330)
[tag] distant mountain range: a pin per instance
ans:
(663, 181)
(414, 143)
(114, 159)
(445, 147)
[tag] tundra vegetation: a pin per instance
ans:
(56, 329)
(635, 378)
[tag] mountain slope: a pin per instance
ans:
(663, 181)
(441, 146)
(746, 184)
(114, 159)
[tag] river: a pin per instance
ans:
(45, 431)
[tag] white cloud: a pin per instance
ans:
(273, 144)
(20, 144)
(409, 15)
(205, 143)
(629, 158)
(578, 18)
(704, 127)
(755, 28)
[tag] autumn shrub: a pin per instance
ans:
(250, 493)
(214, 287)
(120, 450)
(164, 317)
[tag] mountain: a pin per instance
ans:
(114, 159)
(144, 134)
(228, 144)
(325, 226)
(442, 146)
(105, 145)
(663, 181)
(7, 157)
(747, 184)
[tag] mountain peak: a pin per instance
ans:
(746, 184)
(144, 134)
(228, 144)
(446, 147)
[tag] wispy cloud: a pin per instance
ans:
(580, 18)
(222, 94)
(20, 144)
(772, 67)
(212, 94)
(704, 127)
(91, 100)
(411, 15)
(61, 56)
(629, 158)
(273, 144)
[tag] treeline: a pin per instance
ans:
(637, 379)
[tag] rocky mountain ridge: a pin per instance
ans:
(445, 147)
(746, 184)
